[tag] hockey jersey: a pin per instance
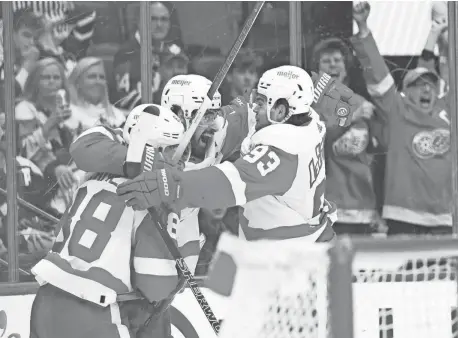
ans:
(99, 239)
(280, 183)
(101, 149)
(418, 174)
(348, 171)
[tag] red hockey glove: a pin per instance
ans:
(333, 100)
(158, 184)
(151, 189)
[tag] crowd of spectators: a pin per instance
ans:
(388, 173)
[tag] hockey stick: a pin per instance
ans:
(179, 260)
(222, 72)
(184, 270)
(181, 266)
(135, 153)
(33, 208)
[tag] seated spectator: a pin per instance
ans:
(242, 77)
(349, 181)
(26, 29)
(127, 65)
(89, 100)
(43, 138)
(418, 172)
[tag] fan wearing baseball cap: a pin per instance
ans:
(418, 165)
(420, 85)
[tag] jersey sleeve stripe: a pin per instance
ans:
(237, 184)
(311, 229)
(77, 285)
(379, 89)
(94, 273)
(116, 319)
(99, 129)
(161, 267)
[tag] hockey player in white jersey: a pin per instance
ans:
(103, 245)
(280, 181)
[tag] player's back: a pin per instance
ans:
(290, 214)
(91, 256)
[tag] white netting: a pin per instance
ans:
(404, 295)
(280, 289)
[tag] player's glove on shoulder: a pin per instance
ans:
(152, 189)
(333, 100)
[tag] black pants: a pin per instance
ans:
(403, 228)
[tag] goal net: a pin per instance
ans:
(404, 294)
(281, 290)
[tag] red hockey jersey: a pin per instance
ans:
(99, 239)
(418, 172)
(349, 181)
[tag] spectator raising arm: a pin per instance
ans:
(428, 58)
(418, 176)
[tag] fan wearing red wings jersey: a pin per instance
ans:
(103, 245)
(280, 182)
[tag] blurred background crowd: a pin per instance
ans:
(389, 173)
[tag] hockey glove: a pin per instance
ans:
(151, 189)
(333, 100)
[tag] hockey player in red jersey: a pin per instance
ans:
(280, 180)
(101, 241)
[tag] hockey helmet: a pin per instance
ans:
(290, 83)
(188, 92)
(157, 125)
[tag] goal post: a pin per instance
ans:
(356, 288)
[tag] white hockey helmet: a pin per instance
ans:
(157, 125)
(290, 83)
(188, 92)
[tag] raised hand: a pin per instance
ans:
(361, 12)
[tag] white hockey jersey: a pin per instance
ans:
(99, 239)
(280, 183)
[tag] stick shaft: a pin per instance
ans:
(217, 81)
(183, 268)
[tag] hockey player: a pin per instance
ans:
(96, 150)
(90, 262)
(220, 134)
(280, 181)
